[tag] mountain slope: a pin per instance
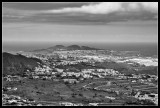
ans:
(73, 47)
(17, 64)
(88, 48)
(57, 47)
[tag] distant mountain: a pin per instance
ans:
(73, 47)
(88, 48)
(57, 47)
(41, 50)
(61, 47)
(17, 64)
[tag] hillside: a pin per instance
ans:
(17, 64)
(57, 47)
(88, 48)
(73, 47)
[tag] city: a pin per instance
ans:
(79, 72)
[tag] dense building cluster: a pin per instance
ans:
(17, 101)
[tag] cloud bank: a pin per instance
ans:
(80, 13)
(110, 7)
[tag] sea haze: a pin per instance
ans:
(146, 49)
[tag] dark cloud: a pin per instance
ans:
(41, 6)
(38, 13)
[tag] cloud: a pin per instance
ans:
(83, 13)
(42, 6)
(110, 7)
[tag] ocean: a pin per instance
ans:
(146, 49)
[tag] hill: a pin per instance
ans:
(17, 64)
(61, 47)
(73, 47)
(57, 47)
(88, 48)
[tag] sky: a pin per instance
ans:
(108, 22)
